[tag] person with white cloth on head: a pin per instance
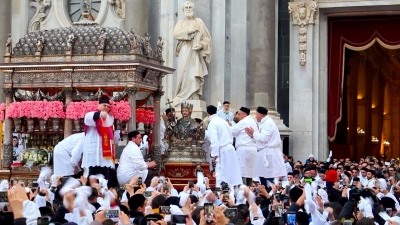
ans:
(270, 162)
(246, 148)
(222, 151)
(131, 162)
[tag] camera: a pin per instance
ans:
(139, 181)
(224, 186)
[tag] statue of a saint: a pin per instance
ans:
(147, 46)
(194, 52)
(187, 129)
(160, 45)
(133, 41)
(70, 40)
(102, 39)
(9, 44)
(39, 44)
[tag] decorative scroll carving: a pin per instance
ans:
(119, 7)
(37, 96)
(303, 15)
(100, 76)
(44, 77)
(40, 6)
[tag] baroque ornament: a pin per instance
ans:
(40, 6)
(303, 15)
(119, 7)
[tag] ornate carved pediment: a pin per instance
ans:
(303, 15)
(40, 5)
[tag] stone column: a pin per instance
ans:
(7, 137)
(5, 29)
(68, 122)
(303, 82)
(136, 16)
(132, 102)
(155, 148)
(261, 83)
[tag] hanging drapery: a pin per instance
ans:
(355, 33)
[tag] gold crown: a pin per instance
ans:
(188, 106)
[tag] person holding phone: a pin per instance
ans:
(131, 162)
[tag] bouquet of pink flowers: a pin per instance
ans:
(2, 111)
(55, 109)
(149, 117)
(120, 110)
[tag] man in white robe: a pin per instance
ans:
(194, 52)
(270, 162)
(98, 152)
(224, 113)
(246, 149)
(67, 155)
(222, 151)
(131, 162)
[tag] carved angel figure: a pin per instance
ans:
(9, 44)
(70, 41)
(40, 43)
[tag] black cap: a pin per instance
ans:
(245, 110)
(211, 109)
(169, 110)
(262, 110)
(356, 179)
(104, 99)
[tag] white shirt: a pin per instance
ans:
(268, 135)
(131, 164)
(219, 134)
(67, 154)
(238, 131)
(225, 115)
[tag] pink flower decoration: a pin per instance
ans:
(120, 110)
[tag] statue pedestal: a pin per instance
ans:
(199, 109)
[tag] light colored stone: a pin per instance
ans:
(194, 53)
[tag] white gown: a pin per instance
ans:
(268, 142)
(227, 165)
(131, 164)
(246, 149)
(67, 154)
(92, 152)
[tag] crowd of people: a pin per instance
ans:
(255, 183)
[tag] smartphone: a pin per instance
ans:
(162, 180)
(291, 218)
(208, 209)
(191, 184)
(139, 181)
(148, 221)
(277, 197)
(389, 211)
(3, 196)
(287, 189)
(147, 194)
(225, 197)
(278, 210)
(165, 210)
(286, 203)
(178, 219)
(44, 220)
(231, 213)
(112, 214)
(347, 222)
(166, 187)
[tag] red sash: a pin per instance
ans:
(107, 142)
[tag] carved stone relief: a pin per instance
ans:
(40, 5)
(303, 15)
(43, 77)
(100, 76)
(119, 7)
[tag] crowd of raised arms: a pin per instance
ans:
(333, 191)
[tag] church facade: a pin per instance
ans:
(273, 53)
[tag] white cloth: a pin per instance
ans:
(67, 154)
(131, 164)
(246, 149)
(144, 145)
(227, 165)
(225, 115)
(92, 152)
(164, 146)
(30, 212)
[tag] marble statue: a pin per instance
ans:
(133, 41)
(194, 53)
(9, 44)
(148, 50)
(160, 45)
